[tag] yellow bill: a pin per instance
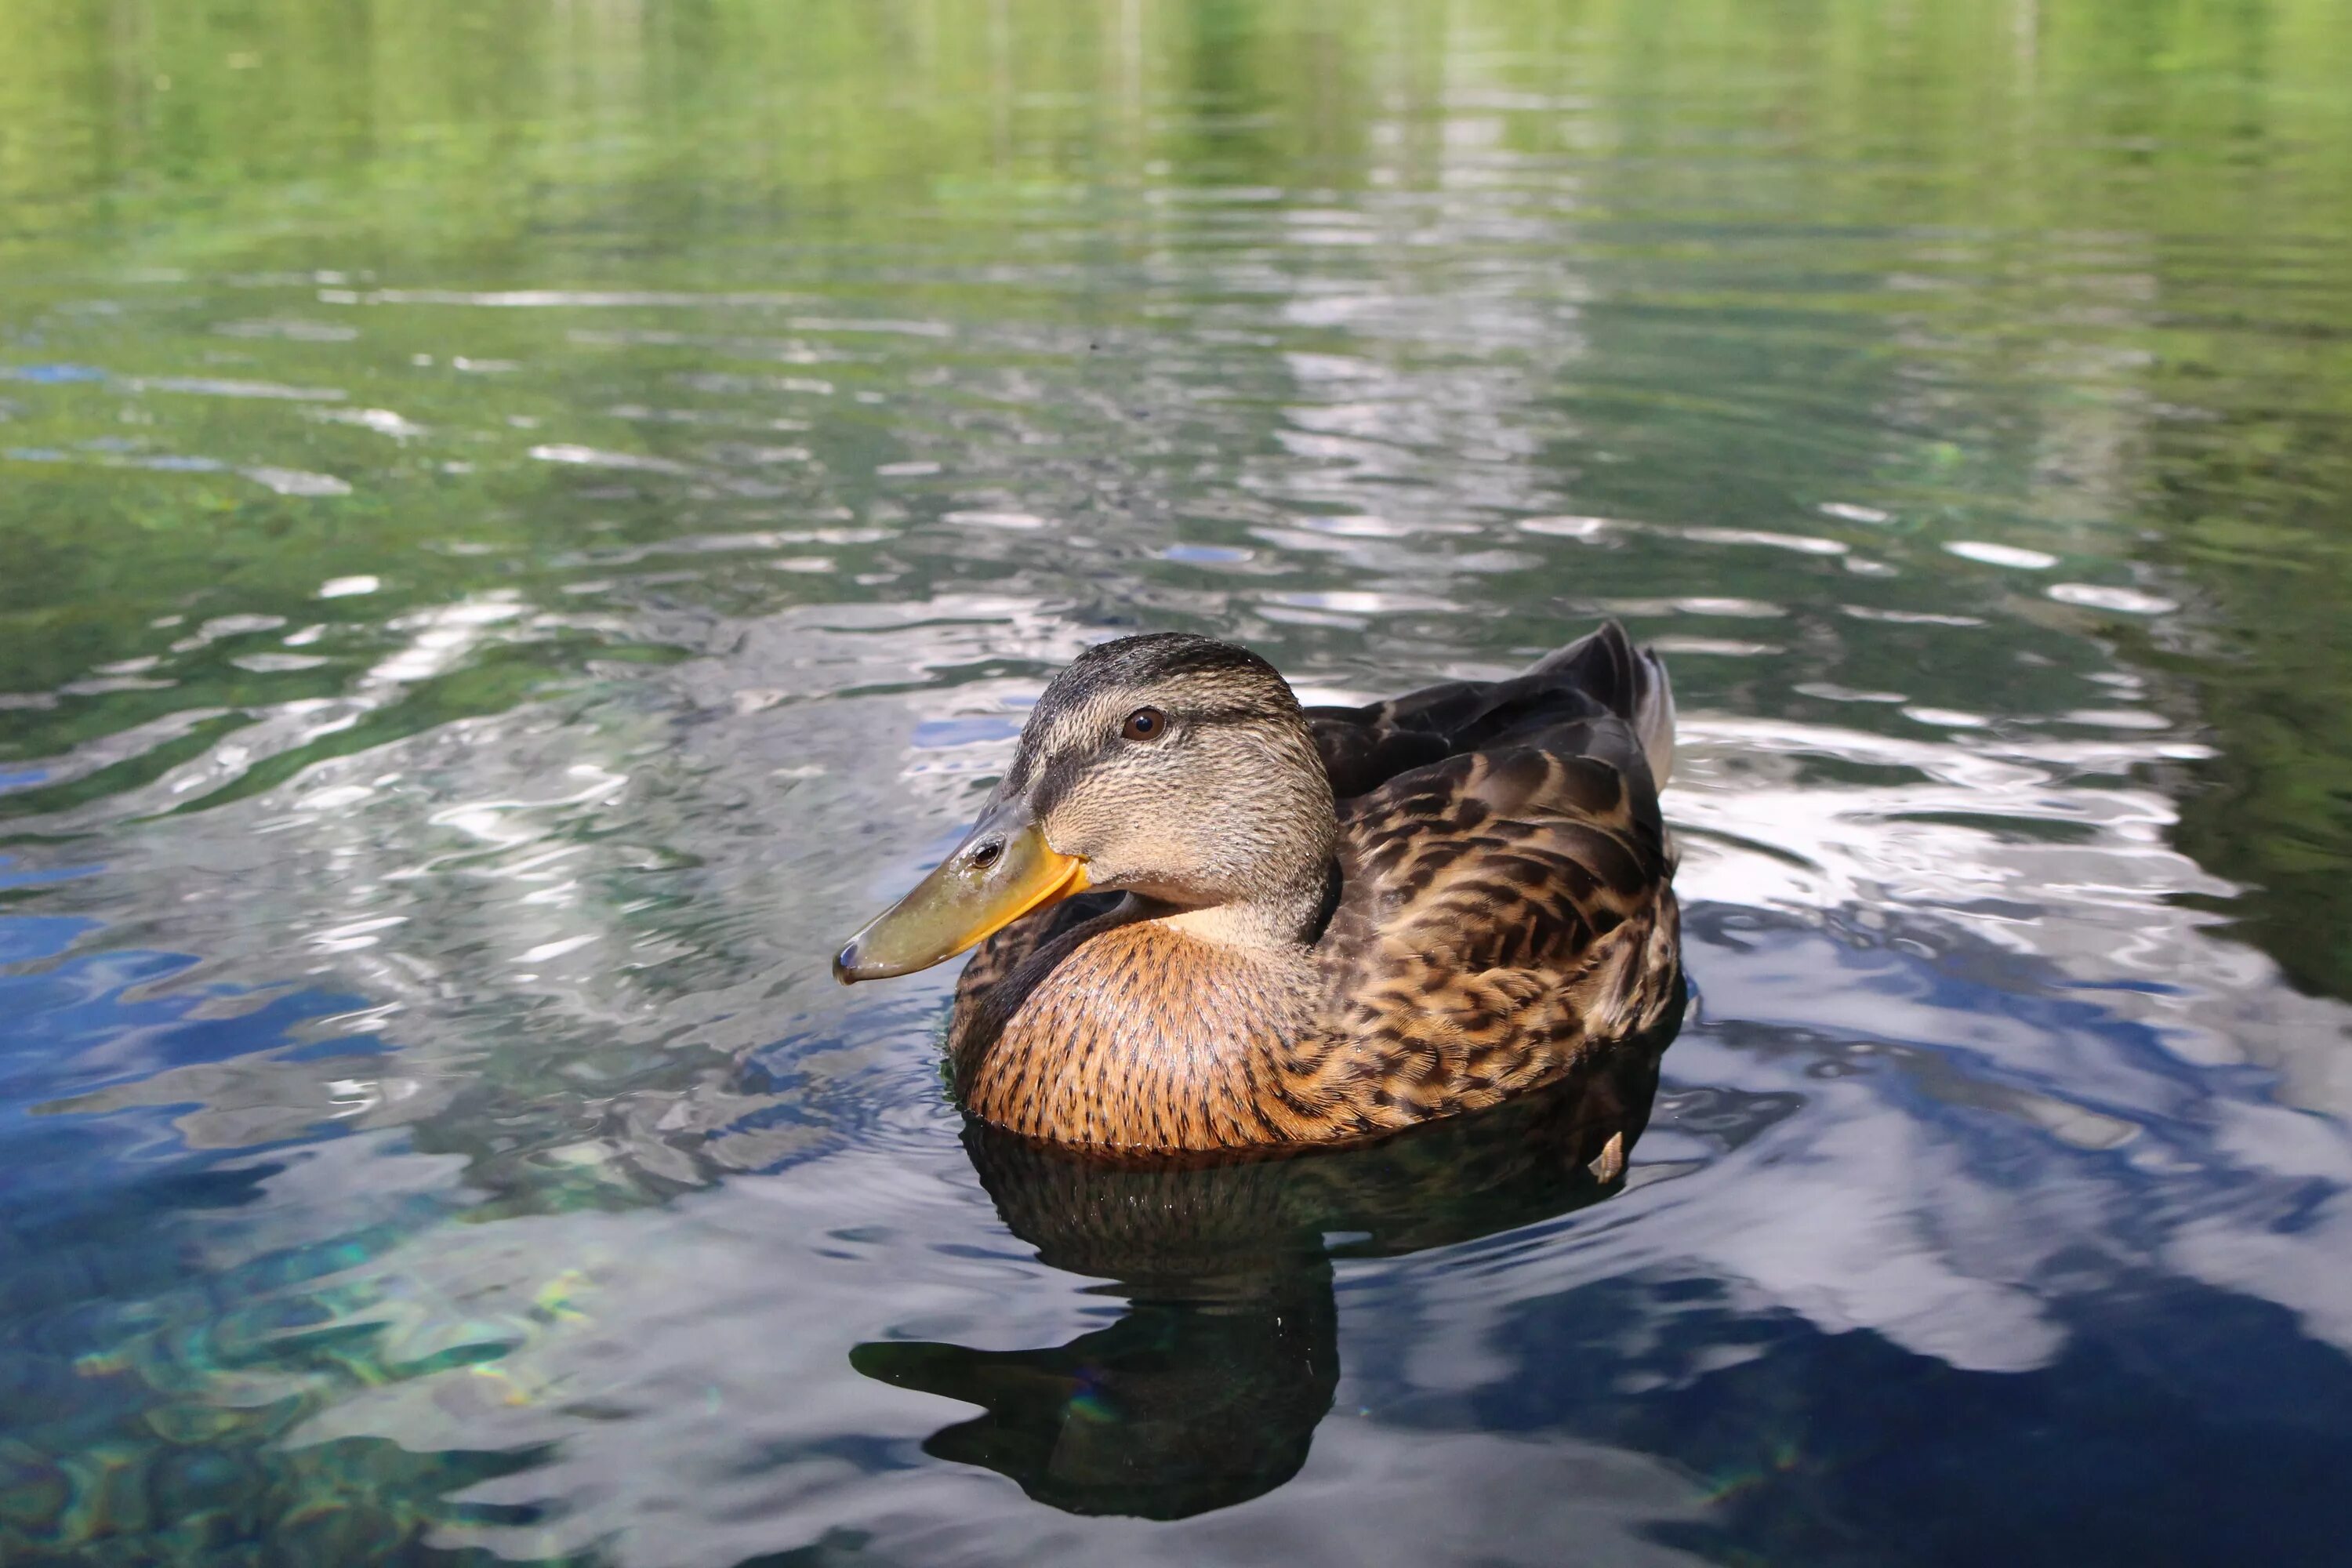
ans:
(1002, 870)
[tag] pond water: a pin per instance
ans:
(521, 524)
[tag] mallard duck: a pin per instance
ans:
(1211, 919)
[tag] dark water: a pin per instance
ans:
(521, 524)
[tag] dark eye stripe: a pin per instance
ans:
(1059, 774)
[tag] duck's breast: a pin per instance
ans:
(1137, 1038)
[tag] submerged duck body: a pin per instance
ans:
(1212, 920)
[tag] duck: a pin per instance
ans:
(1214, 920)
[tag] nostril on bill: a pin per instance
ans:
(986, 855)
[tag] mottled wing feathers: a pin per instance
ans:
(1362, 753)
(1500, 912)
(1516, 855)
(1598, 675)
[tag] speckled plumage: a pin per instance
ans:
(1496, 907)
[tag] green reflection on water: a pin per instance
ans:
(2169, 179)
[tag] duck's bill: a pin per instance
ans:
(1003, 870)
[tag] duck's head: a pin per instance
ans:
(1173, 767)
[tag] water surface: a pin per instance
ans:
(521, 525)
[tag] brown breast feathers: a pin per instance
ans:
(1129, 1034)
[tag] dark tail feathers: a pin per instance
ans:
(1629, 681)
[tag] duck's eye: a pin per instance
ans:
(1144, 724)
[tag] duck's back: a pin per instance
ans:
(1506, 903)
(1601, 676)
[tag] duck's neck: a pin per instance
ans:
(1281, 922)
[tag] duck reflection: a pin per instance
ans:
(1208, 1389)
